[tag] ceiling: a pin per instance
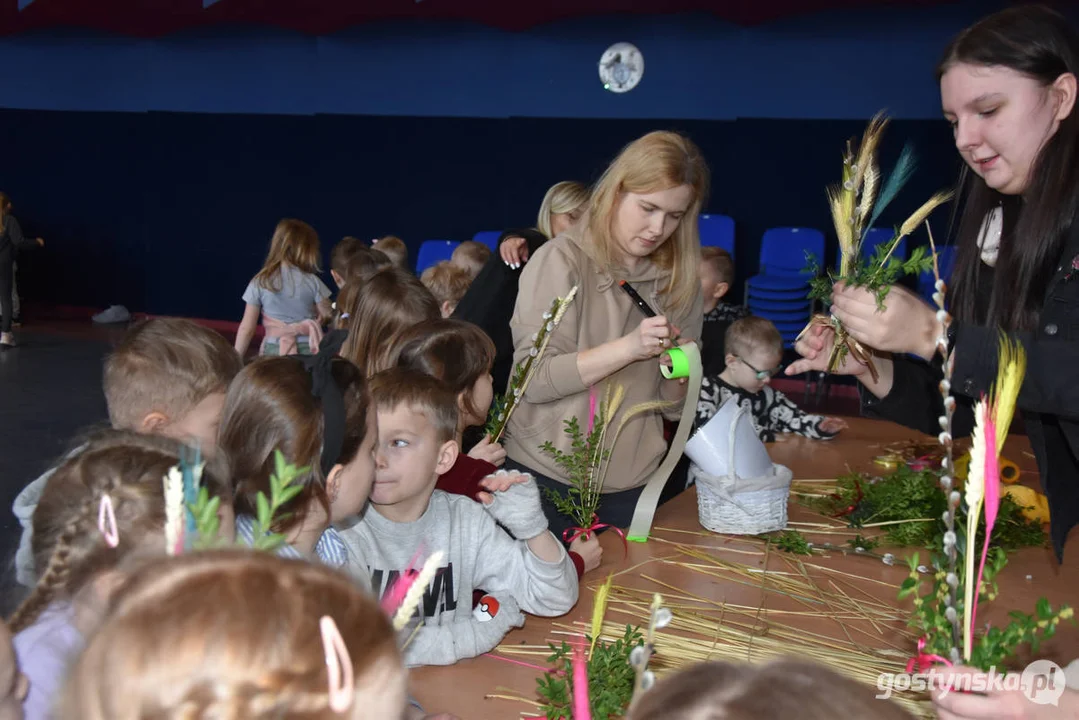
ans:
(150, 18)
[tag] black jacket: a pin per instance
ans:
(1048, 400)
(11, 237)
(490, 300)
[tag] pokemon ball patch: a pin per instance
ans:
(486, 609)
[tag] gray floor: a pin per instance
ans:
(50, 389)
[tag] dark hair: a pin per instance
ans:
(1042, 44)
(781, 689)
(270, 406)
(362, 264)
(456, 352)
(344, 251)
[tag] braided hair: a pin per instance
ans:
(67, 544)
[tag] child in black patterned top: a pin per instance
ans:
(717, 275)
(754, 352)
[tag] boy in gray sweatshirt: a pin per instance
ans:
(407, 520)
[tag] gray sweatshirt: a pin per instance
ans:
(25, 504)
(478, 555)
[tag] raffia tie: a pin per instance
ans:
(843, 343)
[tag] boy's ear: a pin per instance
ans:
(720, 290)
(447, 456)
(153, 424)
(731, 359)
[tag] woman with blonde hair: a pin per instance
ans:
(238, 634)
(641, 228)
(562, 206)
(490, 299)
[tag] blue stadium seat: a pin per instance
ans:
(717, 231)
(433, 252)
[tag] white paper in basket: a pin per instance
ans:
(708, 447)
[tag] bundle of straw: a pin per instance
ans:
(701, 629)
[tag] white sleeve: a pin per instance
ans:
(462, 639)
(506, 565)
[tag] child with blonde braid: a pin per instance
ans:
(239, 634)
(101, 510)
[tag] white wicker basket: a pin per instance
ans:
(737, 506)
(742, 506)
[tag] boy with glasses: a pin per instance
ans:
(753, 354)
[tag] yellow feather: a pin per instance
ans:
(599, 609)
(1010, 371)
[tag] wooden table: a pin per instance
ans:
(1031, 573)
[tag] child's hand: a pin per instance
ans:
(499, 482)
(489, 451)
(589, 549)
(518, 508)
(833, 424)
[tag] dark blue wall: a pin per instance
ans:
(829, 65)
(132, 158)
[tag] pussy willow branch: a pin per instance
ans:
(948, 464)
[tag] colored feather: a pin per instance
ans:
(414, 595)
(582, 709)
(394, 597)
(174, 511)
(992, 504)
(1012, 368)
(901, 173)
(191, 471)
(599, 609)
(975, 485)
(975, 494)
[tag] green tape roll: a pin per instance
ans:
(679, 365)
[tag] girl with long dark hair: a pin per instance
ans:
(1008, 88)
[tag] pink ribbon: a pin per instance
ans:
(286, 334)
(923, 661)
(596, 525)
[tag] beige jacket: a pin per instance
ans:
(601, 312)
